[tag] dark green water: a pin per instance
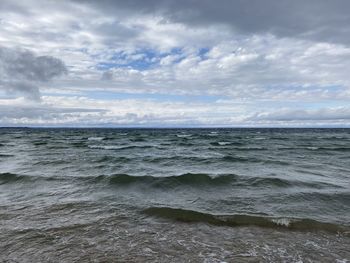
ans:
(175, 195)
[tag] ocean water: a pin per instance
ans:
(174, 195)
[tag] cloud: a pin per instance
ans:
(254, 56)
(39, 113)
(257, 67)
(21, 71)
(287, 115)
(26, 89)
(319, 20)
(64, 111)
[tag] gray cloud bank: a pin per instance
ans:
(319, 20)
(21, 71)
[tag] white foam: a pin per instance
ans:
(224, 143)
(259, 138)
(282, 221)
(312, 148)
(96, 138)
(214, 133)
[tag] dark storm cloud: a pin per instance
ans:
(21, 71)
(320, 20)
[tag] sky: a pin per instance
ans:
(183, 63)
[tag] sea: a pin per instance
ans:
(174, 195)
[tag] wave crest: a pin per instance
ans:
(171, 181)
(236, 220)
(10, 177)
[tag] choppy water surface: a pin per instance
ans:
(175, 195)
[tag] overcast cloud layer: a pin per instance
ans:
(175, 63)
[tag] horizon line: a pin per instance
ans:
(174, 127)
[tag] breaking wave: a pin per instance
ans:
(237, 220)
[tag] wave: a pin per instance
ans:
(138, 139)
(337, 149)
(109, 159)
(6, 155)
(223, 143)
(230, 158)
(171, 159)
(6, 178)
(195, 180)
(185, 143)
(50, 162)
(170, 181)
(248, 148)
(78, 144)
(38, 143)
(252, 149)
(315, 148)
(271, 182)
(183, 135)
(119, 147)
(11, 177)
(126, 179)
(237, 220)
(198, 180)
(336, 198)
(57, 146)
(212, 159)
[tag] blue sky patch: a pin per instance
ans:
(143, 59)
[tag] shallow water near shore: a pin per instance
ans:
(174, 195)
